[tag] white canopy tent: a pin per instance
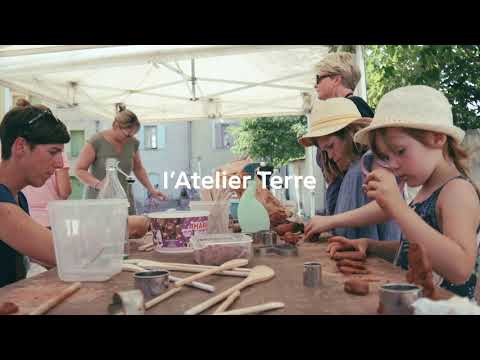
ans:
(166, 82)
(172, 82)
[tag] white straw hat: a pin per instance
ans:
(417, 107)
(329, 116)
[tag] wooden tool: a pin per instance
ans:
(42, 309)
(195, 284)
(142, 262)
(224, 306)
(183, 268)
(225, 266)
(258, 274)
(159, 299)
(254, 309)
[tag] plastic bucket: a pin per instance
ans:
(88, 237)
(172, 230)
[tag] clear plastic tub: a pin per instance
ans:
(215, 249)
(88, 237)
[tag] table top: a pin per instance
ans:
(287, 286)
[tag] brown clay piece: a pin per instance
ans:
(8, 308)
(352, 255)
(353, 263)
(284, 228)
(356, 287)
(348, 270)
(420, 269)
(291, 238)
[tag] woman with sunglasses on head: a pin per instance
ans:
(57, 187)
(32, 141)
(32, 144)
(118, 142)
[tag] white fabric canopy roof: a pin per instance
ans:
(166, 82)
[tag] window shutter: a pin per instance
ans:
(161, 136)
(141, 138)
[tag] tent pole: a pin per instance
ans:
(359, 59)
(194, 80)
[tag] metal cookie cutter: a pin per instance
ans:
(265, 243)
(264, 238)
(397, 299)
(152, 283)
(312, 274)
(282, 250)
(127, 303)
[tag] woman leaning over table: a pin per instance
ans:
(118, 142)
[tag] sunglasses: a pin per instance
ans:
(39, 116)
(321, 77)
(29, 125)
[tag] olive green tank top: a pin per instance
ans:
(103, 151)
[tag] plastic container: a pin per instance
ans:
(215, 249)
(172, 229)
(88, 237)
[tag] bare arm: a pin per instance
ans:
(452, 253)
(368, 214)
(23, 234)
(384, 249)
(64, 184)
(85, 160)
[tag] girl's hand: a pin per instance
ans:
(317, 225)
(381, 186)
(342, 244)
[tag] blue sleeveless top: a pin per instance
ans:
(427, 211)
(12, 263)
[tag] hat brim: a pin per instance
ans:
(308, 139)
(456, 133)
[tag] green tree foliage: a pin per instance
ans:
(270, 139)
(452, 69)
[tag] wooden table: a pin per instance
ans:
(286, 286)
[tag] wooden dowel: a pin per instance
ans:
(42, 309)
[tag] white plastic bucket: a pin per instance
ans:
(172, 229)
(88, 237)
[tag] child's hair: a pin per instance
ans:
(452, 150)
(125, 119)
(329, 168)
(45, 128)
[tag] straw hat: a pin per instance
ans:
(329, 116)
(417, 107)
